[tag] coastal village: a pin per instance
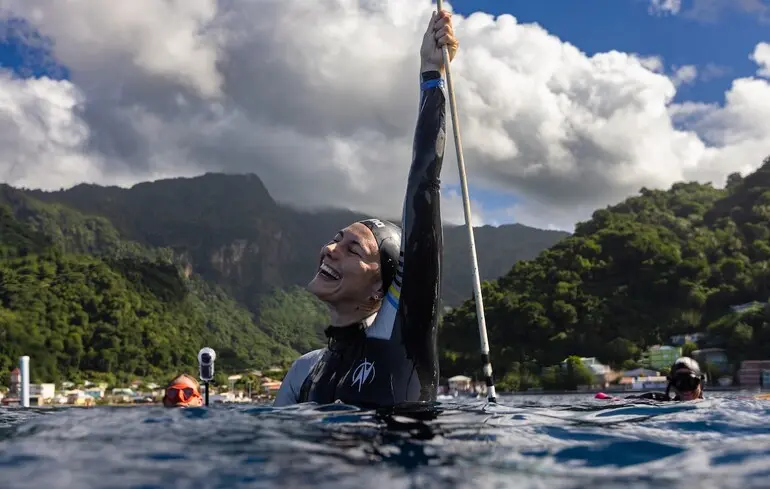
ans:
(263, 386)
(655, 361)
(137, 392)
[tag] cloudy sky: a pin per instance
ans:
(565, 106)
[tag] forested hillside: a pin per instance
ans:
(79, 300)
(659, 263)
(142, 298)
(103, 281)
(232, 232)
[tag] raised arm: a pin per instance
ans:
(399, 361)
(422, 233)
(422, 237)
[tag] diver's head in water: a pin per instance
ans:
(356, 268)
(686, 379)
(183, 391)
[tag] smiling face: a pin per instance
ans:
(183, 391)
(348, 269)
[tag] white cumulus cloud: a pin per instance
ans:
(685, 75)
(42, 138)
(761, 56)
(665, 6)
(319, 99)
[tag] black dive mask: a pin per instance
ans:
(685, 381)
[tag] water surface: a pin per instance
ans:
(523, 442)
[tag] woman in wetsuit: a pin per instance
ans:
(382, 287)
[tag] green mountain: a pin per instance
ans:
(658, 264)
(134, 281)
(230, 230)
(82, 301)
(118, 283)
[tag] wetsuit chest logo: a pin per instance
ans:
(363, 374)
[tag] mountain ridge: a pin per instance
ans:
(232, 232)
(658, 264)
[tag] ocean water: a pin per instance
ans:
(521, 442)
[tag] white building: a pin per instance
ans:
(42, 391)
(459, 383)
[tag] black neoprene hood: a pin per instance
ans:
(388, 237)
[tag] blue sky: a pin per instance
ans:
(595, 26)
(625, 25)
(26, 54)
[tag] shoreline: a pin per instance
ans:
(111, 404)
(590, 392)
(756, 390)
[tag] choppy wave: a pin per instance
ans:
(523, 442)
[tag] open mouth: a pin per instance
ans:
(328, 272)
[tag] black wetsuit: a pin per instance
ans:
(392, 357)
(654, 396)
(657, 396)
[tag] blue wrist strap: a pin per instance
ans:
(436, 82)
